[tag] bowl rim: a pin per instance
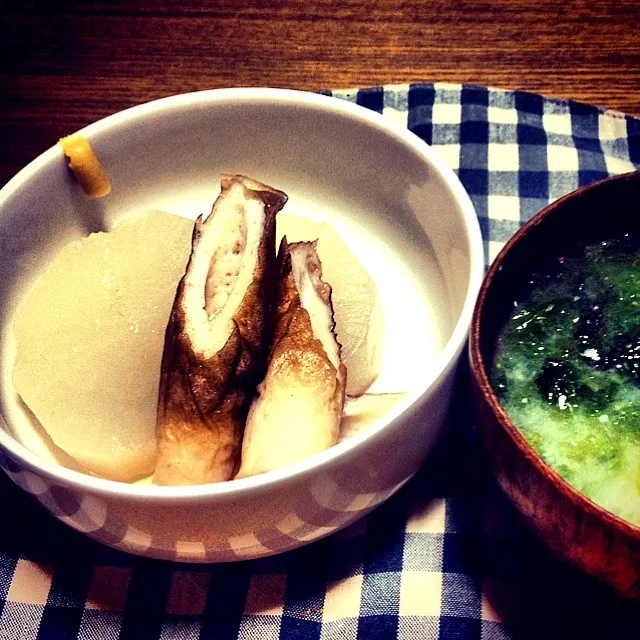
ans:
(479, 370)
(266, 97)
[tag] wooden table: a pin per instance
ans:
(62, 68)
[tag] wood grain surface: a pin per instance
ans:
(66, 64)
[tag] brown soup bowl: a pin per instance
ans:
(573, 527)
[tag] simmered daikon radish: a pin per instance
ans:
(89, 342)
(356, 301)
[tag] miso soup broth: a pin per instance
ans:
(567, 370)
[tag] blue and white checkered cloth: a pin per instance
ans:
(446, 557)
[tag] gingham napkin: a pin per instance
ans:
(447, 557)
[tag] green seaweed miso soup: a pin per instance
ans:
(567, 370)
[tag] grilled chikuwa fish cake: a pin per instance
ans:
(299, 407)
(217, 336)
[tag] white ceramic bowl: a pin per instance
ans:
(396, 203)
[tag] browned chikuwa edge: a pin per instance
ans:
(573, 527)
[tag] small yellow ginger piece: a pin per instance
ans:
(85, 166)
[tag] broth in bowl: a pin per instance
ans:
(567, 370)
